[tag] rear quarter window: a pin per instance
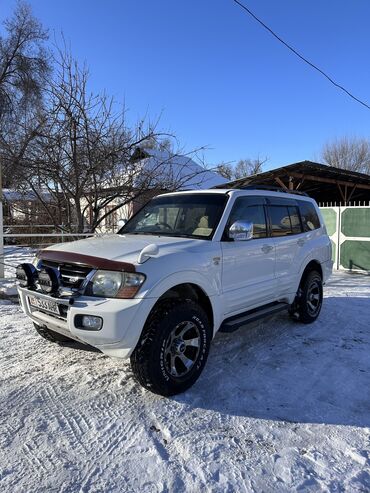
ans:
(309, 216)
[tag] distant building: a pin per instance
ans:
(171, 169)
(24, 213)
(167, 172)
(175, 168)
(24, 207)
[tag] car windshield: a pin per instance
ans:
(189, 215)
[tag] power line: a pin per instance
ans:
(312, 65)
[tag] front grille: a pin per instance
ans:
(72, 275)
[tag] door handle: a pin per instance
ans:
(267, 248)
(301, 242)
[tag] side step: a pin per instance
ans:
(233, 323)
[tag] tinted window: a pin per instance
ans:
(295, 220)
(310, 219)
(285, 220)
(245, 210)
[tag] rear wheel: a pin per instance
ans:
(173, 348)
(307, 305)
(50, 335)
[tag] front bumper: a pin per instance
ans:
(123, 320)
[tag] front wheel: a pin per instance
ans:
(307, 305)
(173, 348)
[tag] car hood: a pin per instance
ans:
(124, 248)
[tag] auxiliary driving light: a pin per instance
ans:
(89, 322)
(49, 280)
(26, 275)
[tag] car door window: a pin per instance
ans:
(247, 210)
(285, 220)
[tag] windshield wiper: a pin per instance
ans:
(140, 233)
(166, 233)
(153, 233)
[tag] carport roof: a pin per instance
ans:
(323, 183)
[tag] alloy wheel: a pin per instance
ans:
(182, 349)
(313, 299)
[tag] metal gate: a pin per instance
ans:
(349, 231)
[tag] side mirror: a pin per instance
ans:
(241, 231)
(121, 223)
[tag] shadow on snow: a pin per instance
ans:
(281, 370)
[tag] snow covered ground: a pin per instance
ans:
(280, 407)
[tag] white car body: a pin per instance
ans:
(235, 276)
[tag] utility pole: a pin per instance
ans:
(1, 224)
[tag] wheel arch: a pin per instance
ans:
(189, 291)
(312, 265)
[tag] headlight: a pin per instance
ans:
(113, 284)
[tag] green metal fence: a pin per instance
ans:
(349, 231)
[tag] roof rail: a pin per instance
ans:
(272, 188)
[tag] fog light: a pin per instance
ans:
(90, 322)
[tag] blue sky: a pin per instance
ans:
(217, 78)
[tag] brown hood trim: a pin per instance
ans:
(88, 260)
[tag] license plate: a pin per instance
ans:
(44, 305)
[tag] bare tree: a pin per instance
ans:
(70, 148)
(79, 151)
(247, 167)
(23, 60)
(24, 65)
(244, 167)
(348, 153)
(226, 170)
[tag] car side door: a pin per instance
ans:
(248, 266)
(288, 236)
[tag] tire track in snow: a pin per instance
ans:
(69, 422)
(32, 457)
(116, 439)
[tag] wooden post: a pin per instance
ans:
(281, 183)
(353, 189)
(342, 194)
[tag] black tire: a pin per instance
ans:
(307, 305)
(158, 359)
(51, 336)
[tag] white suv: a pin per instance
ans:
(185, 266)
